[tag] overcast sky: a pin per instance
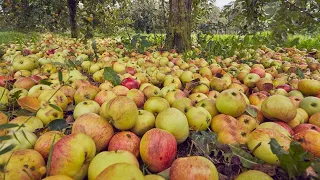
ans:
(221, 3)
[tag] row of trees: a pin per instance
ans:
(177, 18)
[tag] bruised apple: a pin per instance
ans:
(278, 107)
(258, 143)
(304, 127)
(158, 149)
(194, 167)
(310, 141)
(22, 164)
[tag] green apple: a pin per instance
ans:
(186, 76)
(231, 102)
(107, 158)
(155, 105)
(21, 139)
(36, 90)
(31, 123)
(122, 112)
(199, 118)
(310, 104)
(175, 122)
(145, 122)
(209, 105)
(253, 175)
(115, 172)
(88, 106)
(183, 104)
(152, 91)
(251, 79)
(22, 63)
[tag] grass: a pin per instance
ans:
(14, 36)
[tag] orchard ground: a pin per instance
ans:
(237, 101)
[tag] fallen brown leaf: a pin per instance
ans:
(29, 103)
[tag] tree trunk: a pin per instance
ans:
(72, 5)
(179, 26)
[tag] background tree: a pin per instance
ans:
(72, 6)
(179, 25)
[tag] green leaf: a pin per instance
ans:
(294, 161)
(50, 156)
(316, 167)
(247, 160)
(15, 136)
(3, 138)
(17, 94)
(8, 126)
(300, 73)
(165, 174)
(60, 76)
(7, 149)
(42, 81)
(55, 107)
(57, 125)
(112, 76)
(251, 111)
(71, 64)
(25, 136)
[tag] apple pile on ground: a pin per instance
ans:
(133, 111)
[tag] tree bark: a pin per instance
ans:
(72, 5)
(179, 26)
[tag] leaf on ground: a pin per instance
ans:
(246, 158)
(50, 156)
(251, 111)
(7, 149)
(23, 112)
(294, 161)
(60, 76)
(110, 75)
(58, 125)
(45, 82)
(165, 174)
(8, 126)
(31, 104)
(55, 107)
